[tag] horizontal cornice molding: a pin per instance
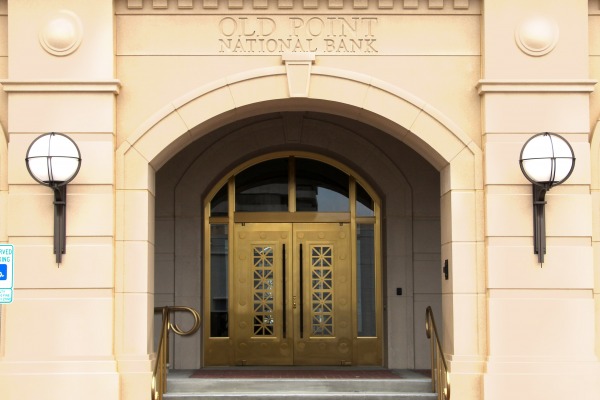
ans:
(536, 86)
(108, 86)
(296, 6)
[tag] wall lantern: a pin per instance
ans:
(53, 159)
(547, 160)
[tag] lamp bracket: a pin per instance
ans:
(539, 221)
(60, 220)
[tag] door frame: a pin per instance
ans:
(361, 345)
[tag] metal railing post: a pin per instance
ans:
(159, 377)
(439, 367)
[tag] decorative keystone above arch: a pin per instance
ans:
(298, 66)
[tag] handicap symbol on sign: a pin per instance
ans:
(3, 271)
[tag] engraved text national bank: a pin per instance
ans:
(327, 34)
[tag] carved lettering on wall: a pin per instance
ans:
(319, 34)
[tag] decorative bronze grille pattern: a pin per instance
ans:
(321, 262)
(263, 291)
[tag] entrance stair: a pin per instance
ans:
(329, 384)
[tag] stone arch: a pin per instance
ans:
(390, 109)
(387, 107)
(204, 166)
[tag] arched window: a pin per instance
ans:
(312, 185)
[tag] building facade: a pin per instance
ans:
(309, 175)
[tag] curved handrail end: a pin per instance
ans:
(159, 376)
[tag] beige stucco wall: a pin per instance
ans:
(594, 25)
(450, 80)
(3, 122)
(557, 298)
(186, 51)
(58, 334)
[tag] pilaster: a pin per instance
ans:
(540, 317)
(61, 78)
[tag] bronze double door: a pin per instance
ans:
(292, 294)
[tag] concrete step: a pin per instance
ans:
(307, 396)
(410, 386)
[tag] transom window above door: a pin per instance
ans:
(294, 184)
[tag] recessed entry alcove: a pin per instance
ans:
(390, 206)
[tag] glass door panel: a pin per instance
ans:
(320, 187)
(263, 187)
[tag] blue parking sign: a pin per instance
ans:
(7, 268)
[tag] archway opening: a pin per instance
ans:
(406, 189)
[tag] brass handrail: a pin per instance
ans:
(159, 377)
(440, 376)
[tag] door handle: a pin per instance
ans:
(301, 296)
(294, 305)
(284, 325)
